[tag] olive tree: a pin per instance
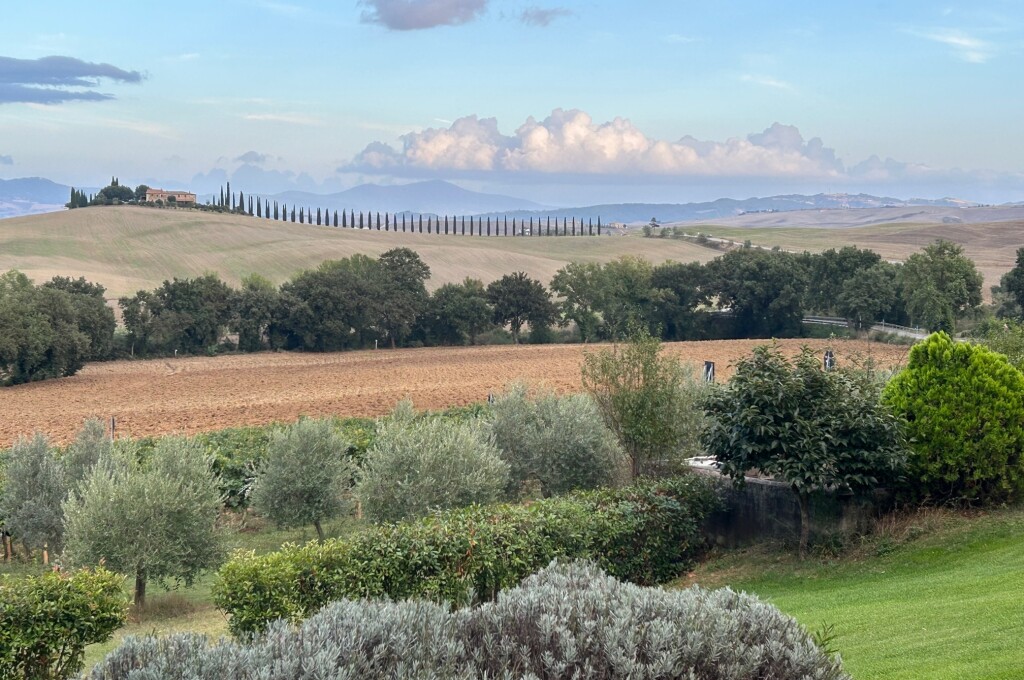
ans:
(810, 428)
(306, 477)
(649, 401)
(558, 443)
(150, 516)
(418, 465)
(34, 488)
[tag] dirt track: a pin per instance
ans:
(190, 395)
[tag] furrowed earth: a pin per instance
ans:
(196, 394)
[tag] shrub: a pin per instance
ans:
(153, 519)
(810, 428)
(417, 465)
(567, 621)
(560, 443)
(306, 477)
(46, 621)
(645, 533)
(964, 407)
(35, 485)
(650, 402)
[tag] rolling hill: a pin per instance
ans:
(128, 248)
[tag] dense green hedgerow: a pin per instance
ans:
(568, 621)
(646, 533)
(46, 621)
(964, 408)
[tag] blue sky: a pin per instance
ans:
(563, 102)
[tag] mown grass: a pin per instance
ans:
(932, 595)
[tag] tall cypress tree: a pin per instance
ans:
(463, 225)
(488, 225)
(387, 221)
(506, 225)
(344, 219)
(598, 225)
(335, 218)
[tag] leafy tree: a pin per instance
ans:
(868, 294)
(153, 517)
(253, 310)
(558, 443)
(137, 315)
(964, 408)
(680, 293)
(829, 272)
(458, 313)
(939, 284)
(34, 488)
(1012, 281)
(41, 338)
(628, 297)
(650, 402)
(93, 316)
(306, 476)
(403, 294)
(580, 285)
(810, 428)
(763, 291)
(517, 299)
(418, 465)
(329, 308)
(140, 193)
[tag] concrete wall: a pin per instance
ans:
(765, 510)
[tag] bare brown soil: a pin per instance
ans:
(189, 395)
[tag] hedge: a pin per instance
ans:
(568, 621)
(46, 621)
(646, 533)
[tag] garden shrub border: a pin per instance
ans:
(646, 533)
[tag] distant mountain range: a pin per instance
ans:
(433, 197)
(35, 195)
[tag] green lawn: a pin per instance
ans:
(943, 599)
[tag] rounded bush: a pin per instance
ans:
(567, 621)
(418, 465)
(964, 409)
(558, 443)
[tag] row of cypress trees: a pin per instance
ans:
(406, 222)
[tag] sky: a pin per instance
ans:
(559, 101)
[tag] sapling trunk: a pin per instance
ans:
(805, 522)
(319, 530)
(140, 588)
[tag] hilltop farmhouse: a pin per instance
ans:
(163, 196)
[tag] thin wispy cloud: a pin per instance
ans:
(285, 8)
(289, 118)
(538, 16)
(57, 79)
(412, 15)
(6, 160)
(678, 39)
(188, 56)
(767, 81)
(965, 46)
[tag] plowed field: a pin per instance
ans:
(190, 395)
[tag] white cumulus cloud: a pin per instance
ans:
(571, 142)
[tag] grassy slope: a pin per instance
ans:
(948, 604)
(992, 245)
(127, 248)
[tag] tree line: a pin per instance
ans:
(364, 302)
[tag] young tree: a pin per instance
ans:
(649, 401)
(559, 443)
(90, 444)
(306, 477)
(517, 299)
(35, 485)
(868, 294)
(810, 428)
(763, 290)
(416, 466)
(155, 519)
(458, 313)
(580, 285)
